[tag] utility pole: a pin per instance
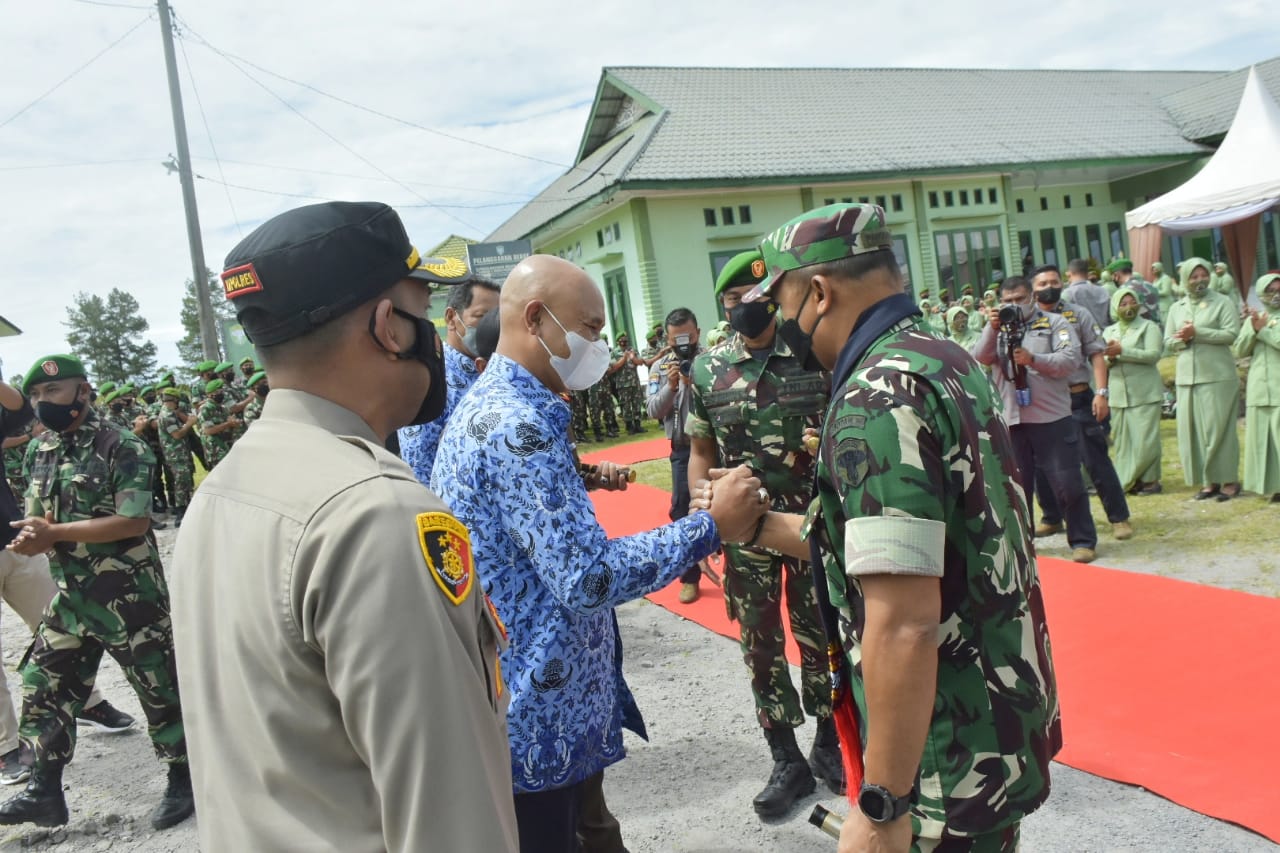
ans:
(208, 333)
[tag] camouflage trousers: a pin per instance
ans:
(578, 406)
(753, 585)
(182, 479)
(600, 407)
(1001, 841)
(630, 401)
(59, 676)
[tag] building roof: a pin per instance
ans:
(1204, 111)
(724, 126)
(453, 246)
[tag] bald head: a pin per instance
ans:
(542, 299)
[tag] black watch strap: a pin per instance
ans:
(880, 805)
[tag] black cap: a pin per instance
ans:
(305, 267)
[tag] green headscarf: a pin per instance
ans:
(1184, 273)
(1121, 293)
(1261, 288)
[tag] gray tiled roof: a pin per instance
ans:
(1205, 111)
(754, 124)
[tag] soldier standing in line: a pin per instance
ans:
(247, 370)
(258, 388)
(752, 402)
(173, 426)
(204, 375)
(604, 419)
(149, 410)
(217, 424)
(578, 405)
(626, 384)
(1167, 289)
(88, 507)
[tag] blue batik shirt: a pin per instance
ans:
(506, 469)
(418, 444)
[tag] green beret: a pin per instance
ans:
(147, 389)
(171, 393)
(206, 366)
(246, 360)
(166, 381)
(967, 290)
(108, 399)
(744, 268)
(51, 368)
(213, 385)
(924, 294)
(106, 388)
(1120, 264)
(257, 377)
(222, 365)
(124, 390)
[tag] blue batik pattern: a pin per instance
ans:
(506, 469)
(418, 443)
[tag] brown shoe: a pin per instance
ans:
(1083, 555)
(688, 593)
(1046, 529)
(1122, 530)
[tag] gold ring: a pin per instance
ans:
(763, 494)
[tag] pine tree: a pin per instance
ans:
(109, 336)
(189, 347)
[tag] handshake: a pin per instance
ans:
(735, 499)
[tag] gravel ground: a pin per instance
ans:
(687, 790)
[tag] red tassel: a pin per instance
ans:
(845, 713)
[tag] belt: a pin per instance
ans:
(1078, 387)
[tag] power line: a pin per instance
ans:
(112, 5)
(406, 122)
(66, 79)
(73, 165)
(331, 174)
(209, 134)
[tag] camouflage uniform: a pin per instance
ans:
(756, 412)
(578, 404)
(916, 433)
(13, 468)
(177, 457)
(253, 411)
(600, 408)
(216, 446)
(111, 596)
(626, 387)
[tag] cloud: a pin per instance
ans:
(516, 76)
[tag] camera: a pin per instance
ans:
(685, 347)
(1014, 329)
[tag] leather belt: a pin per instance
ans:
(1078, 387)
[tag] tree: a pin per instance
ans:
(109, 336)
(189, 347)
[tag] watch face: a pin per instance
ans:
(873, 804)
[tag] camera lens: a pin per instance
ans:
(1009, 314)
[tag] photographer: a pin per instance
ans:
(669, 398)
(1034, 354)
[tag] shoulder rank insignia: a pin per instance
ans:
(446, 546)
(1040, 323)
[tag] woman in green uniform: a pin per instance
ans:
(1260, 338)
(1134, 345)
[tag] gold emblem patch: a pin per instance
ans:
(240, 280)
(757, 268)
(50, 368)
(446, 547)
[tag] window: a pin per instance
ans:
(1048, 246)
(1088, 199)
(964, 198)
(882, 201)
(828, 201)
(1025, 250)
(864, 199)
(903, 258)
(608, 234)
(848, 200)
(1021, 208)
(977, 196)
(709, 217)
(619, 303)
(992, 198)
(1093, 238)
(1071, 241)
(1066, 202)
(949, 198)
(1271, 239)
(744, 214)
(1044, 203)
(1116, 232)
(726, 215)
(897, 203)
(600, 239)
(933, 198)
(968, 257)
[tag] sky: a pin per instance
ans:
(455, 114)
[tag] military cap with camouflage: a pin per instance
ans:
(820, 236)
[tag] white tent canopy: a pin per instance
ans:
(1240, 180)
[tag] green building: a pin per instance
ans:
(981, 172)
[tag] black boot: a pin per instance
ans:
(178, 803)
(824, 758)
(41, 803)
(791, 778)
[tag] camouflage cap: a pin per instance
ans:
(51, 368)
(171, 393)
(206, 366)
(213, 385)
(257, 377)
(742, 269)
(820, 236)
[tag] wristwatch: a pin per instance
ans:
(881, 806)
(1103, 392)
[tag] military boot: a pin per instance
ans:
(791, 778)
(41, 803)
(824, 758)
(178, 802)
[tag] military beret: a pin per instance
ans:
(124, 390)
(742, 269)
(51, 368)
(166, 381)
(967, 290)
(106, 387)
(307, 266)
(924, 294)
(257, 377)
(222, 365)
(819, 236)
(147, 389)
(246, 360)
(108, 399)
(1120, 264)
(206, 366)
(171, 393)
(213, 385)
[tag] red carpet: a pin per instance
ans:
(1165, 684)
(630, 454)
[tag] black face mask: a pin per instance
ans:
(799, 341)
(117, 407)
(426, 349)
(1049, 295)
(218, 397)
(261, 388)
(149, 398)
(59, 416)
(752, 318)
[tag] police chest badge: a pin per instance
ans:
(446, 547)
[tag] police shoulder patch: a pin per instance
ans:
(446, 547)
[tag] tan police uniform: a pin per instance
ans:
(337, 657)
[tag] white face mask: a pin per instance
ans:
(587, 361)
